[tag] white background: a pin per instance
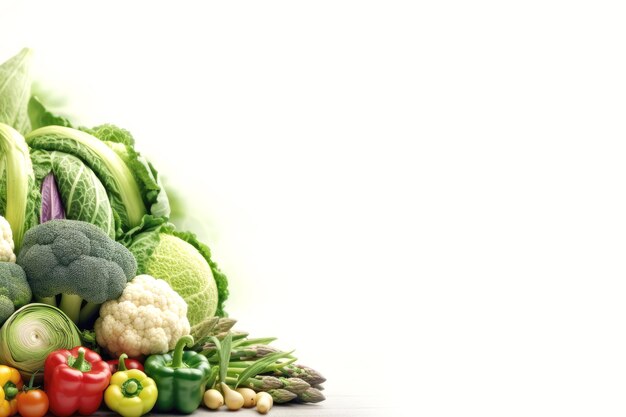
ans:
(426, 197)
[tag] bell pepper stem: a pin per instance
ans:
(79, 362)
(121, 364)
(10, 390)
(177, 360)
(131, 388)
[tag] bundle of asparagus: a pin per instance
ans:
(253, 363)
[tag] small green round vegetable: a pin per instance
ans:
(31, 333)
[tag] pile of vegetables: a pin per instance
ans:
(92, 268)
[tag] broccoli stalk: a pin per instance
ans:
(77, 309)
(72, 305)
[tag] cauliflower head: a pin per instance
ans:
(6, 242)
(148, 318)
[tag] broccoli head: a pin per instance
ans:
(14, 289)
(76, 262)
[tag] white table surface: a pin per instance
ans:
(333, 406)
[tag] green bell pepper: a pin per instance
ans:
(181, 378)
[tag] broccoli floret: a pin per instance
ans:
(77, 261)
(6, 307)
(14, 289)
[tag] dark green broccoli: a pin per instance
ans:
(14, 289)
(78, 262)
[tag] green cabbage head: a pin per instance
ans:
(184, 262)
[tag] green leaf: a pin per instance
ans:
(83, 195)
(123, 191)
(39, 116)
(212, 377)
(154, 196)
(122, 142)
(15, 85)
(257, 341)
(21, 197)
(259, 366)
(223, 350)
(111, 133)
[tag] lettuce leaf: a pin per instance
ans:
(20, 194)
(82, 194)
(15, 84)
(39, 116)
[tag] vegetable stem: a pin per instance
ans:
(79, 362)
(88, 312)
(177, 361)
(10, 390)
(70, 304)
(131, 388)
(121, 364)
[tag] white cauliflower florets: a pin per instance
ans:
(6, 242)
(148, 318)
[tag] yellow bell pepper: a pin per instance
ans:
(131, 393)
(10, 385)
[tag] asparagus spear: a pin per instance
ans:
(258, 383)
(295, 385)
(283, 379)
(311, 395)
(266, 383)
(215, 326)
(281, 396)
(247, 353)
(310, 375)
(252, 352)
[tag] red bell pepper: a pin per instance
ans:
(75, 381)
(130, 364)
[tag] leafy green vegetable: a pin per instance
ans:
(31, 334)
(15, 84)
(184, 262)
(19, 195)
(154, 195)
(111, 133)
(105, 159)
(115, 175)
(39, 116)
(83, 195)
